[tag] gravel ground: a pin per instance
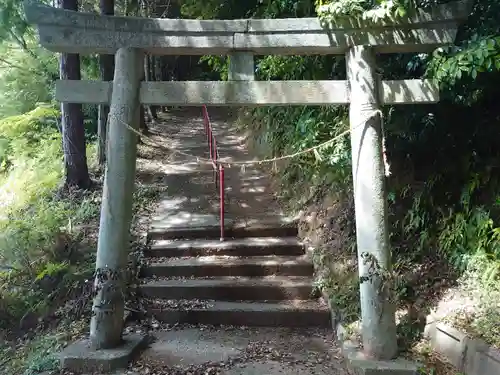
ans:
(239, 350)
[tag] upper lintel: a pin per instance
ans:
(74, 32)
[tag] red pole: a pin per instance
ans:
(210, 141)
(205, 122)
(204, 117)
(221, 193)
(215, 150)
(216, 168)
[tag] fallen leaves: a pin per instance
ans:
(258, 351)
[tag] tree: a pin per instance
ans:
(73, 132)
(107, 66)
(144, 10)
(12, 24)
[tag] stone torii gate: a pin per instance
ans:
(129, 38)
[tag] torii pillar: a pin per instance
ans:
(370, 199)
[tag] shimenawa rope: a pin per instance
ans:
(201, 160)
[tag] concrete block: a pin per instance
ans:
(430, 327)
(481, 359)
(359, 364)
(472, 357)
(79, 357)
(451, 343)
(241, 67)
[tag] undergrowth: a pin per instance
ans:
(435, 244)
(38, 353)
(43, 251)
(48, 238)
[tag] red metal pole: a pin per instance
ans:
(205, 122)
(210, 141)
(204, 117)
(221, 193)
(215, 150)
(215, 166)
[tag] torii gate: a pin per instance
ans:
(129, 38)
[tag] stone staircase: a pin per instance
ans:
(259, 276)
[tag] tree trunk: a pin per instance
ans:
(143, 109)
(73, 131)
(143, 126)
(151, 75)
(166, 66)
(158, 68)
(107, 66)
(151, 110)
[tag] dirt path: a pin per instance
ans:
(190, 199)
(241, 350)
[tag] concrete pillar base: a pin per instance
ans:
(80, 358)
(359, 364)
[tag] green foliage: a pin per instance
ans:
(51, 269)
(215, 9)
(35, 226)
(25, 79)
(30, 125)
(33, 156)
(291, 130)
(368, 11)
(470, 234)
(13, 26)
(479, 55)
(218, 64)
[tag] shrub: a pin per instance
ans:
(36, 235)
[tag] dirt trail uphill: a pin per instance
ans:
(242, 306)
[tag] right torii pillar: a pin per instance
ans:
(374, 255)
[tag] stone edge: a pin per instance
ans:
(470, 356)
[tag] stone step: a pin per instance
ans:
(293, 313)
(231, 288)
(263, 227)
(206, 266)
(256, 246)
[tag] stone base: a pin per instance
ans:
(80, 358)
(359, 364)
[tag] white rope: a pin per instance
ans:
(370, 112)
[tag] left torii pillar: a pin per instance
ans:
(106, 325)
(116, 209)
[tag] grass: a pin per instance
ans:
(36, 225)
(481, 318)
(33, 355)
